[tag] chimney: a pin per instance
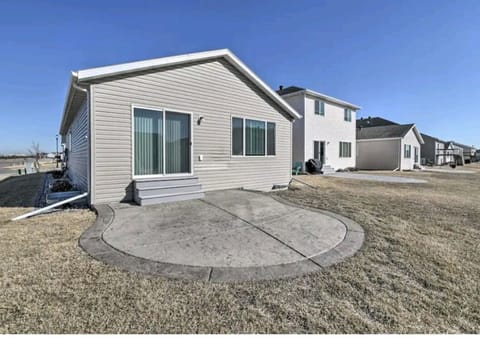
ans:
(280, 87)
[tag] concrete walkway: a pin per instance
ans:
(227, 236)
(377, 177)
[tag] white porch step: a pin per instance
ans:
(169, 189)
(166, 190)
(169, 198)
(166, 182)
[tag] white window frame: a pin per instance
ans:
(163, 110)
(231, 136)
(245, 137)
(347, 112)
(342, 148)
(320, 103)
(409, 151)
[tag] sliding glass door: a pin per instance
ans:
(177, 143)
(148, 142)
(162, 142)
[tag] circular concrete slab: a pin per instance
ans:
(227, 236)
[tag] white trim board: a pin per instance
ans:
(324, 97)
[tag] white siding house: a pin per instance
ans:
(172, 128)
(326, 131)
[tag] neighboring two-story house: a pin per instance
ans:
(327, 130)
(435, 151)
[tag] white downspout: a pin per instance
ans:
(47, 208)
(84, 90)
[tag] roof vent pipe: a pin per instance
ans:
(280, 88)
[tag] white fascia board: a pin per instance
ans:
(262, 85)
(110, 70)
(419, 136)
(325, 97)
(68, 99)
(331, 99)
(95, 73)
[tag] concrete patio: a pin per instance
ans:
(227, 236)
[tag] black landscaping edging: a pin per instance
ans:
(92, 242)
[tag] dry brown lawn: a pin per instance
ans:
(418, 272)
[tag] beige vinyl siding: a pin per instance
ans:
(212, 89)
(78, 154)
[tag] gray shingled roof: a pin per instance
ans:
(426, 136)
(289, 90)
(465, 147)
(380, 132)
(374, 122)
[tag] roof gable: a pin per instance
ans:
(386, 132)
(293, 90)
(87, 76)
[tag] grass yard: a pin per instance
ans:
(418, 272)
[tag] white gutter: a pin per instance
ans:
(44, 209)
(309, 92)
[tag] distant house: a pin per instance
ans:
(327, 130)
(468, 151)
(388, 147)
(171, 128)
(435, 151)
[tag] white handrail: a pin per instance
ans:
(41, 210)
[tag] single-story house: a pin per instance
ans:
(327, 130)
(172, 128)
(388, 147)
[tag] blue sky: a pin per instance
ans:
(409, 61)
